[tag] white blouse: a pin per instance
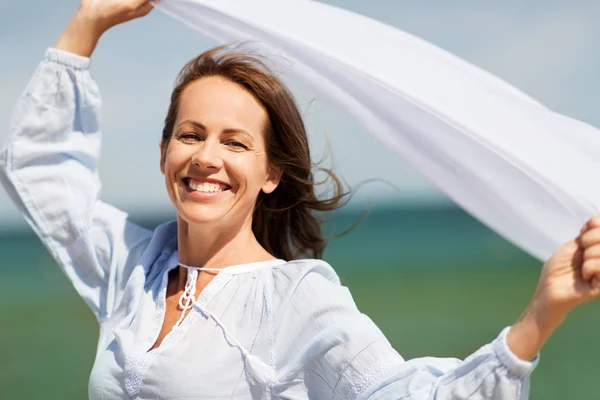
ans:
(267, 330)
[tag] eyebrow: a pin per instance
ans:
(202, 127)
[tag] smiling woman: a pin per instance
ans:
(219, 303)
(232, 122)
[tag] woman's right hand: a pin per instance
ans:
(93, 18)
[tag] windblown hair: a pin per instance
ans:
(284, 221)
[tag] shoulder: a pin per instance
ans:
(165, 236)
(298, 273)
(146, 255)
(161, 247)
(308, 285)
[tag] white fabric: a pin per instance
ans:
(266, 330)
(523, 170)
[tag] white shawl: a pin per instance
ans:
(520, 168)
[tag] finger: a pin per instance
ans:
(595, 287)
(144, 10)
(590, 268)
(593, 222)
(590, 238)
(577, 258)
(140, 10)
(139, 3)
(591, 252)
(584, 227)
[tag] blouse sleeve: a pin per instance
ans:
(341, 354)
(49, 169)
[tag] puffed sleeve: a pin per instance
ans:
(341, 354)
(48, 167)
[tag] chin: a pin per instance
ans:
(199, 214)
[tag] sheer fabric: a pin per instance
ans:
(520, 168)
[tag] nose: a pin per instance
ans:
(208, 156)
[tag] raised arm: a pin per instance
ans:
(49, 165)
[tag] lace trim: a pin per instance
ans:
(371, 376)
(134, 372)
(350, 363)
(137, 363)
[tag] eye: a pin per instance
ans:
(189, 137)
(236, 145)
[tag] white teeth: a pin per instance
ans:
(206, 187)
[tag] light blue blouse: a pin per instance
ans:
(264, 330)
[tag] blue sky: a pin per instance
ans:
(549, 49)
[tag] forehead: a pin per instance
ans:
(219, 103)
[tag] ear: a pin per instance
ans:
(273, 178)
(163, 155)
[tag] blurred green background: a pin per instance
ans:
(436, 281)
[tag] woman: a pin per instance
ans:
(206, 307)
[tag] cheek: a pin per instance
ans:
(249, 170)
(175, 159)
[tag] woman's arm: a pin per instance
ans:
(49, 169)
(340, 353)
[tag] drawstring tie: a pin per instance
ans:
(188, 297)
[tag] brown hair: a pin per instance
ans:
(283, 221)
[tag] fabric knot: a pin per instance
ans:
(188, 297)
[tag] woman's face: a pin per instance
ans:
(215, 164)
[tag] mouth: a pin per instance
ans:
(193, 185)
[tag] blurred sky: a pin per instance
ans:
(549, 49)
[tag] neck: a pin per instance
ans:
(209, 246)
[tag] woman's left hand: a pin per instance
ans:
(569, 278)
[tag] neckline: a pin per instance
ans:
(231, 269)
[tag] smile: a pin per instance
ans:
(205, 186)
